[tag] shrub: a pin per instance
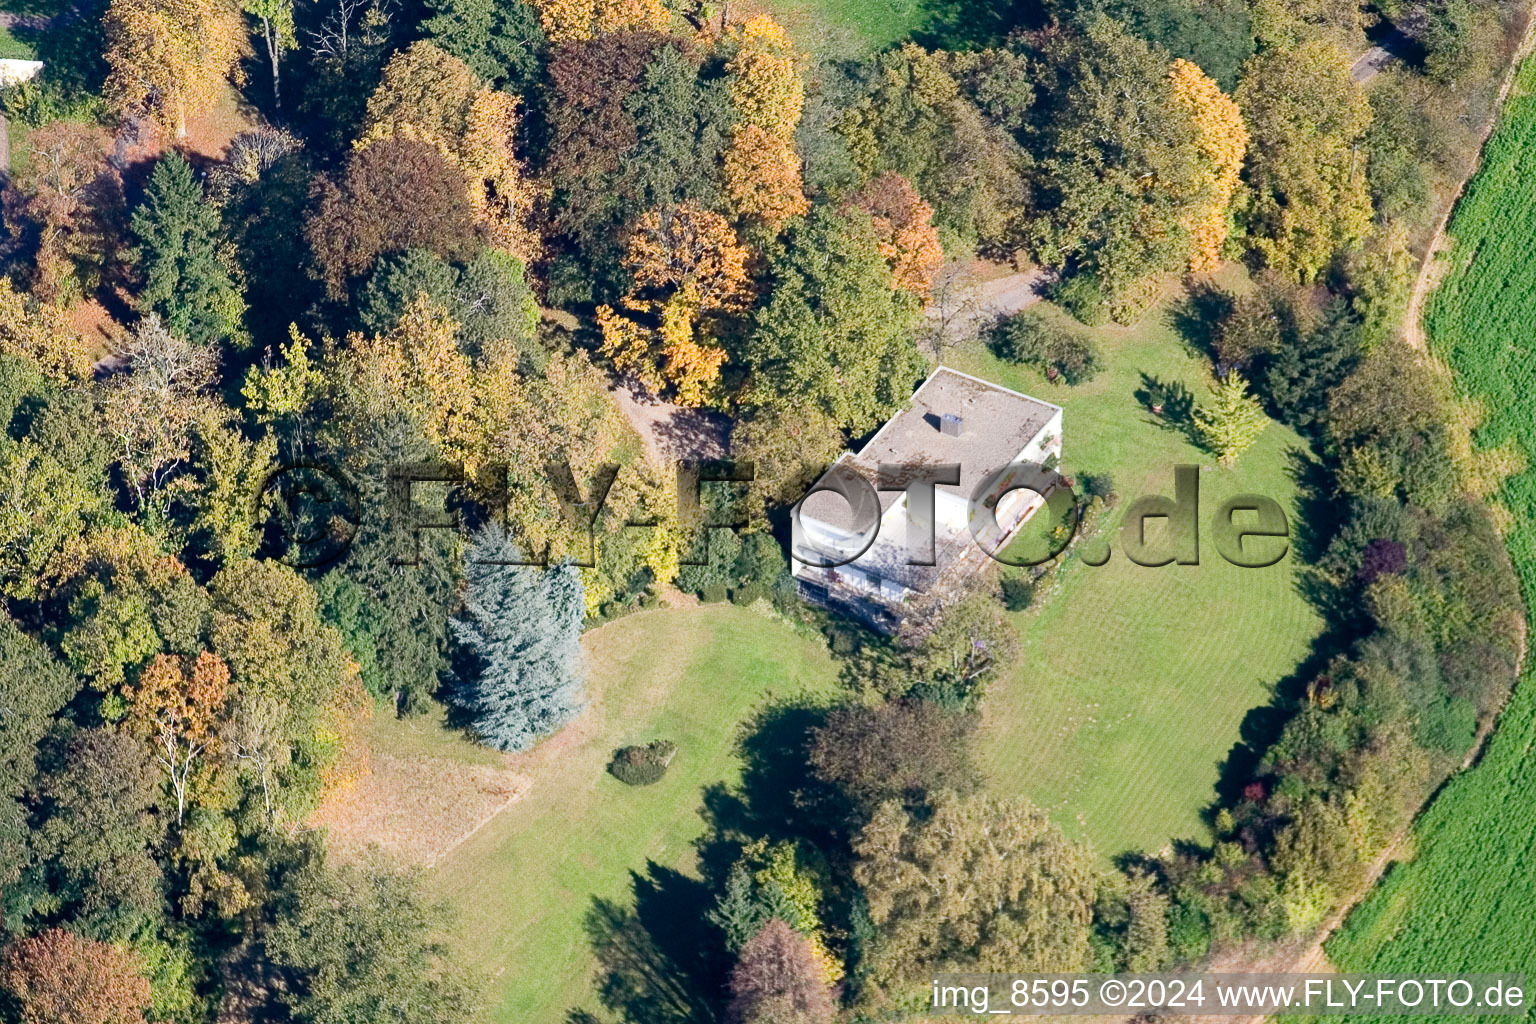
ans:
(1076, 359)
(642, 765)
(747, 593)
(713, 593)
(1083, 297)
(1018, 592)
(1034, 338)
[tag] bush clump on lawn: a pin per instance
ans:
(1083, 296)
(1033, 338)
(642, 765)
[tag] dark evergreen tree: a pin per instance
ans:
(397, 625)
(501, 40)
(178, 237)
(520, 630)
(682, 130)
(1301, 374)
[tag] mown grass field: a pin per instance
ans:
(1135, 681)
(1467, 901)
(522, 886)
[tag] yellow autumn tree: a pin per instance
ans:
(431, 96)
(571, 21)
(418, 366)
(41, 333)
(1222, 140)
(689, 271)
(765, 83)
(172, 55)
(761, 171)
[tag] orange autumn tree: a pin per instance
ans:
(761, 171)
(57, 977)
(573, 21)
(179, 704)
(1222, 140)
(903, 223)
(689, 271)
(173, 55)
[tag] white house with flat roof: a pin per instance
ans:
(999, 446)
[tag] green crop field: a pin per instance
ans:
(1466, 902)
(1134, 681)
(523, 884)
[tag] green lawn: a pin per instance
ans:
(1134, 681)
(523, 884)
(12, 48)
(848, 26)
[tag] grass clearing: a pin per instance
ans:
(847, 26)
(1135, 681)
(1465, 902)
(12, 48)
(523, 884)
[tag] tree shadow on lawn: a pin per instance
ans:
(1198, 315)
(778, 798)
(661, 960)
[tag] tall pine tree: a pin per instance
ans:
(178, 236)
(521, 628)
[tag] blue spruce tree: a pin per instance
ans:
(521, 626)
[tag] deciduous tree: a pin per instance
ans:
(978, 884)
(41, 333)
(101, 825)
(902, 750)
(1310, 194)
(903, 222)
(181, 705)
(1221, 139)
(57, 977)
(567, 21)
(430, 95)
(777, 980)
(395, 194)
(72, 198)
(172, 55)
(353, 945)
(835, 334)
(766, 84)
(761, 175)
(150, 410)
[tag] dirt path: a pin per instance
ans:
(966, 308)
(1370, 64)
(670, 432)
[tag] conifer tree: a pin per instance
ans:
(1233, 422)
(1301, 374)
(521, 627)
(178, 248)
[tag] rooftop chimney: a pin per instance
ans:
(951, 424)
